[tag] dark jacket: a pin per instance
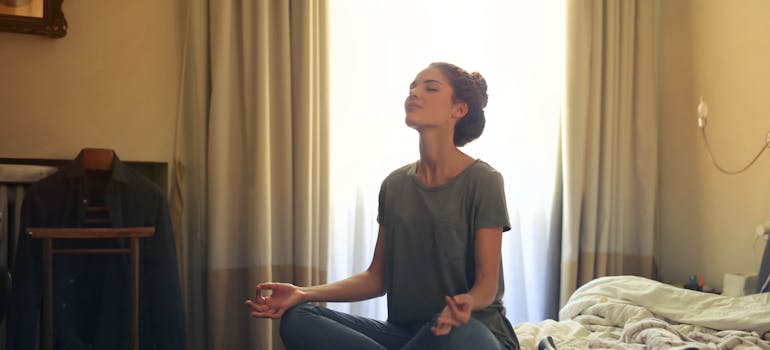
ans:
(91, 292)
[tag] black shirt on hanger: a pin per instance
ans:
(91, 292)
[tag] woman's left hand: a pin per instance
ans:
(456, 313)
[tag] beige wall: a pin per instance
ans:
(719, 50)
(111, 82)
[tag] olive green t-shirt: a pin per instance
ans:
(429, 243)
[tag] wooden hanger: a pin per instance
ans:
(98, 158)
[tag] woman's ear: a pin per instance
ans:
(460, 109)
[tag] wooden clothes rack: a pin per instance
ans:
(98, 158)
(94, 159)
(49, 234)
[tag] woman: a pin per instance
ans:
(437, 254)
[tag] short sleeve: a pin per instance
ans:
(381, 205)
(491, 207)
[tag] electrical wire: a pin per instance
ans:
(702, 113)
(765, 146)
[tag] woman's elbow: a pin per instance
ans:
(377, 282)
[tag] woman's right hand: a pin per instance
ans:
(282, 297)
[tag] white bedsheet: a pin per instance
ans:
(628, 312)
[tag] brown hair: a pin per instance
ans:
(470, 88)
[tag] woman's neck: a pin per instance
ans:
(440, 160)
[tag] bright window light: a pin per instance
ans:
(377, 48)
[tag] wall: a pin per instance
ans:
(111, 82)
(719, 50)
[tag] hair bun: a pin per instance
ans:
(481, 87)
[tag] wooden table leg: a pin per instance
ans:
(134, 293)
(47, 294)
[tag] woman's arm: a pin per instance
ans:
(362, 286)
(488, 246)
(458, 310)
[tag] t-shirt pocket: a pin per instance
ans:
(450, 238)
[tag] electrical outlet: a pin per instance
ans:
(762, 231)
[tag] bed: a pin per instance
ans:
(629, 312)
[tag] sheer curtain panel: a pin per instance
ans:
(609, 142)
(250, 188)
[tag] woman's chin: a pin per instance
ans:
(413, 120)
(409, 122)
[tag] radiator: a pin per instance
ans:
(14, 178)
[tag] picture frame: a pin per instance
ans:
(40, 17)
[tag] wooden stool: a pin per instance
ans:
(49, 234)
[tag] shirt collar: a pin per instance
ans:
(77, 169)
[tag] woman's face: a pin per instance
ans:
(430, 103)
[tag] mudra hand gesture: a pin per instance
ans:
(282, 297)
(456, 313)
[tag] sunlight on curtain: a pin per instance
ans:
(377, 48)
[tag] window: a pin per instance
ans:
(377, 48)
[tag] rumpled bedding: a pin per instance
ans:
(629, 312)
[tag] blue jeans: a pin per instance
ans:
(307, 326)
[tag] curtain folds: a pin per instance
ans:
(609, 142)
(250, 181)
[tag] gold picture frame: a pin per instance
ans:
(41, 17)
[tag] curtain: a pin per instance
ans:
(249, 187)
(608, 142)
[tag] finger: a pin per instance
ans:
(440, 330)
(453, 309)
(272, 303)
(460, 308)
(257, 307)
(250, 303)
(460, 302)
(254, 305)
(449, 321)
(268, 312)
(263, 308)
(269, 302)
(261, 288)
(450, 302)
(446, 322)
(256, 314)
(258, 296)
(445, 331)
(463, 304)
(266, 285)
